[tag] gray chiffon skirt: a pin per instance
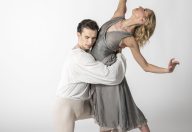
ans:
(114, 107)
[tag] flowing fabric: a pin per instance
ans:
(113, 106)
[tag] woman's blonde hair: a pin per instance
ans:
(144, 32)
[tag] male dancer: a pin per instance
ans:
(79, 70)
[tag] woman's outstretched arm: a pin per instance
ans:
(144, 64)
(121, 9)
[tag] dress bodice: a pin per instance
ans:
(108, 42)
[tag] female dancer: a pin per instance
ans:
(114, 107)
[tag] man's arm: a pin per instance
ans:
(86, 69)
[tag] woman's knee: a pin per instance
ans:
(144, 128)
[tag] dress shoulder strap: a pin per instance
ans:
(109, 23)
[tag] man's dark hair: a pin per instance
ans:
(87, 23)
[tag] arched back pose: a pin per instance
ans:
(113, 105)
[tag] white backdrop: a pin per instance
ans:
(35, 37)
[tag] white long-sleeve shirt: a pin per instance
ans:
(80, 69)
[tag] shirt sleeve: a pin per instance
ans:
(87, 69)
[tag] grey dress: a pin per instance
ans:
(113, 106)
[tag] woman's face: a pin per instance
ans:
(141, 13)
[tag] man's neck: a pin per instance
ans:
(78, 46)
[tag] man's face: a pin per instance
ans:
(87, 38)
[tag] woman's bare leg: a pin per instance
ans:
(105, 131)
(144, 128)
(112, 130)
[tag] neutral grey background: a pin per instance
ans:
(35, 36)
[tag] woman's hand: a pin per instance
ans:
(172, 65)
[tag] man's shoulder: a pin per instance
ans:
(80, 56)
